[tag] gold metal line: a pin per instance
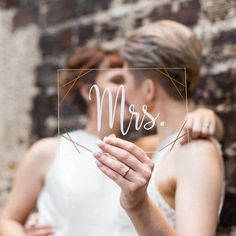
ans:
(171, 142)
(178, 134)
(168, 75)
(80, 76)
(70, 139)
(71, 87)
(87, 149)
(176, 88)
(171, 79)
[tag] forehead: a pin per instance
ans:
(110, 73)
(128, 74)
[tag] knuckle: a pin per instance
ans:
(115, 175)
(133, 188)
(103, 158)
(132, 147)
(148, 173)
(121, 169)
(143, 153)
(126, 156)
(141, 182)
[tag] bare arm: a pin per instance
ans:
(146, 217)
(199, 186)
(200, 177)
(27, 186)
(148, 220)
(201, 123)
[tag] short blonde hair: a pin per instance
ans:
(165, 44)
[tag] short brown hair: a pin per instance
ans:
(87, 60)
(165, 44)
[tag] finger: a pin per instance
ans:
(122, 182)
(189, 122)
(128, 146)
(36, 234)
(40, 232)
(212, 128)
(121, 155)
(116, 166)
(187, 137)
(38, 226)
(187, 129)
(205, 128)
(197, 127)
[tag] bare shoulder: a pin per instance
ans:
(199, 155)
(44, 147)
(200, 149)
(40, 155)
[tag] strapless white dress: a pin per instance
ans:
(77, 198)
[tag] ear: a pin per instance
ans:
(149, 88)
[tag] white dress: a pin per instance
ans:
(77, 198)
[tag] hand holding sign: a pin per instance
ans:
(131, 169)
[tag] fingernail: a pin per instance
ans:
(97, 154)
(98, 163)
(106, 139)
(112, 135)
(100, 143)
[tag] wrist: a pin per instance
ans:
(139, 207)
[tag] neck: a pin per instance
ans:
(173, 114)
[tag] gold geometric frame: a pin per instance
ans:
(81, 74)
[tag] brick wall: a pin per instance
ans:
(66, 24)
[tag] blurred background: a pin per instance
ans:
(37, 36)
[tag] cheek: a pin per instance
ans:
(101, 86)
(131, 92)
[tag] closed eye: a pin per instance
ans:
(118, 79)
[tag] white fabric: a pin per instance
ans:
(77, 198)
(158, 157)
(164, 207)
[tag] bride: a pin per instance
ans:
(184, 194)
